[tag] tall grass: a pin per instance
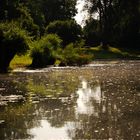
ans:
(20, 61)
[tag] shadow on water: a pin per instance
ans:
(99, 102)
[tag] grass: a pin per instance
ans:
(99, 53)
(111, 53)
(20, 61)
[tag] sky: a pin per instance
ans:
(81, 15)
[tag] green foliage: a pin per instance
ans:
(73, 55)
(68, 30)
(26, 21)
(34, 15)
(110, 53)
(14, 37)
(63, 85)
(19, 12)
(37, 13)
(70, 54)
(48, 51)
(59, 10)
(13, 40)
(92, 32)
(119, 22)
(43, 50)
(20, 61)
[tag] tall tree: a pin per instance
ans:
(8, 9)
(45, 11)
(92, 32)
(18, 11)
(68, 30)
(119, 20)
(37, 12)
(13, 40)
(104, 10)
(59, 9)
(127, 25)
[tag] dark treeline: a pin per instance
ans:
(26, 24)
(118, 23)
(36, 14)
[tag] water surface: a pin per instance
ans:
(101, 101)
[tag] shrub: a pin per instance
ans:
(84, 59)
(68, 30)
(48, 51)
(70, 54)
(73, 55)
(13, 40)
(44, 50)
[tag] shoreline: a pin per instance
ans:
(96, 63)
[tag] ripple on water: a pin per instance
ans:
(91, 102)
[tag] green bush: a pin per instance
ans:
(13, 40)
(70, 54)
(84, 59)
(73, 55)
(44, 50)
(48, 51)
(69, 31)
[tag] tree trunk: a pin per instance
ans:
(6, 55)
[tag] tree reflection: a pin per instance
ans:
(109, 112)
(53, 84)
(59, 108)
(97, 103)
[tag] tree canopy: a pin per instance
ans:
(40, 12)
(68, 30)
(119, 21)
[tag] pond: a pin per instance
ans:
(99, 101)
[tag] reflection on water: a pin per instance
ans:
(85, 97)
(47, 132)
(99, 102)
